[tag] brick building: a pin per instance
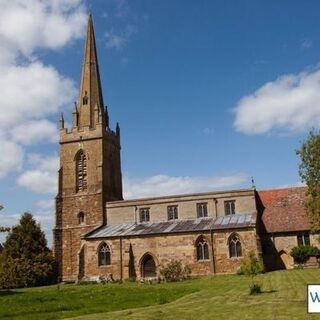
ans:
(98, 233)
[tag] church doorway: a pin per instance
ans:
(148, 267)
(81, 264)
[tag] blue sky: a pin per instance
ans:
(207, 93)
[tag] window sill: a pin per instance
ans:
(204, 260)
(104, 265)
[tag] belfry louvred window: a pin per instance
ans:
(81, 168)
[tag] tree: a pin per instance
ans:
(309, 170)
(3, 229)
(252, 267)
(26, 260)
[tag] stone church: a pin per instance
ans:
(98, 233)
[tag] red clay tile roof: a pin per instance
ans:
(284, 210)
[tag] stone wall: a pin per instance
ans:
(164, 248)
(102, 150)
(277, 247)
(128, 211)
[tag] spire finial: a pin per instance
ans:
(61, 121)
(252, 183)
(106, 116)
(118, 129)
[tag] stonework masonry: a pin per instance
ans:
(166, 248)
(128, 211)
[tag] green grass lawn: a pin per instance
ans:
(219, 297)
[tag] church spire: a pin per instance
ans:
(90, 89)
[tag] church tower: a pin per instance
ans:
(90, 170)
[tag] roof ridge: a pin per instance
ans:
(281, 189)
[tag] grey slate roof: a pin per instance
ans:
(226, 222)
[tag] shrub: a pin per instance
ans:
(301, 254)
(174, 271)
(255, 288)
(252, 267)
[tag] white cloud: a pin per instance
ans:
(42, 177)
(31, 90)
(291, 185)
(46, 205)
(289, 104)
(117, 40)
(34, 132)
(46, 220)
(12, 156)
(161, 185)
(28, 25)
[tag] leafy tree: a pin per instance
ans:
(3, 229)
(252, 267)
(309, 170)
(25, 259)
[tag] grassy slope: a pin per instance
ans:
(220, 297)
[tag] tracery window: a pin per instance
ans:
(104, 255)
(81, 171)
(235, 249)
(202, 249)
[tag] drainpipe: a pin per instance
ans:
(120, 247)
(216, 206)
(135, 214)
(212, 253)
(211, 234)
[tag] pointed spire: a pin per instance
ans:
(90, 88)
(118, 129)
(106, 116)
(61, 121)
(75, 116)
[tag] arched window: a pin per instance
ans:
(202, 249)
(81, 171)
(81, 217)
(235, 246)
(104, 255)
